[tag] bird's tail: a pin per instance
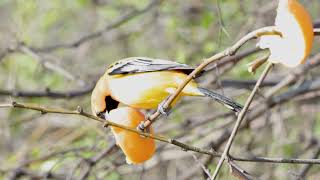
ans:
(234, 106)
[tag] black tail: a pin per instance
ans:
(234, 106)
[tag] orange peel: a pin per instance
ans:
(137, 149)
(294, 45)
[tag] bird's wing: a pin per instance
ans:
(144, 64)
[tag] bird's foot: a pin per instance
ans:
(141, 127)
(162, 110)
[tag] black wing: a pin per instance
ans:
(144, 64)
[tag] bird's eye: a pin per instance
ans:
(110, 103)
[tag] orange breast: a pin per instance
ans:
(136, 148)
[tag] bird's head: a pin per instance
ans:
(101, 101)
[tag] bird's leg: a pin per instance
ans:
(141, 127)
(162, 110)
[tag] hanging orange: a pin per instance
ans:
(295, 44)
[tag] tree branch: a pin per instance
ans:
(239, 120)
(95, 159)
(80, 112)
(47, 93)
(307, 167)
(118, 22)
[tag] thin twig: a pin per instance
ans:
(5, 105)
(51, 155)
(277, 160)
(239, 120)
(95, 159)
(47, 93)
(80, 112)
(292, 77)
(20, 172)
(185, 147)
(205, 170)
(238, 172)
(246, 84)
(222, 27)
(115, 24)
(47, 64)
(307, 167)
(253, 66)
(234, 59)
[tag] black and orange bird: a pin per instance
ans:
(144, 83)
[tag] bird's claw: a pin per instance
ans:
(141, 127)
(163, 111)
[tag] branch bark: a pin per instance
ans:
(118, 22)
(80, 112)
(239, 120)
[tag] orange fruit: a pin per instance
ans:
(295, 44)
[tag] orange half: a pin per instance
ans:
(295, 44)
(136, 148)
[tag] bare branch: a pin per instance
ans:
(307, 167)
(205, 170)
(48, 93)
(278, 160)
(118, 22)
(247, 83)
(94, 160)
(80, 112)
(239, 120)
(238, 172)
(292, 77)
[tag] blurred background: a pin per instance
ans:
(52, 53)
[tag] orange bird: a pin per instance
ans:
(144, 83)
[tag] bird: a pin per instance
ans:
(136, 148)
(144, 83)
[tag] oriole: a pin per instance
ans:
(136, 148)
(141, 82)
